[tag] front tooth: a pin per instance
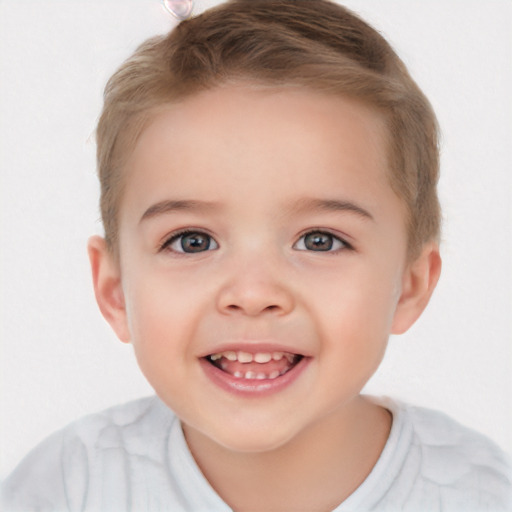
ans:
(277, 356)
(274, 374)
(238, 374)
(230, 355)
(261, 357)
(244, 357)
(250, 375)
(261, 376)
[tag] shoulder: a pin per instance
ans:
(461, 466)
(125, 426)
(456, 449)
(58, 472)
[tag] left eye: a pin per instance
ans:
(191, 242)
(319, 241)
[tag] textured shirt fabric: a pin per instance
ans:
(134, 457)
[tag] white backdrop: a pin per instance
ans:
(59, 358)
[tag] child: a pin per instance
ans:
(268, 175)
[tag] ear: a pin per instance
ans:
(418, 283)
(106, 277)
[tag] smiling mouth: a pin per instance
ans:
(259, 366)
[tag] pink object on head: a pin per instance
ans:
(181, 9)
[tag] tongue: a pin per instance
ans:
(282, 366)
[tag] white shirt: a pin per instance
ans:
(134, 457)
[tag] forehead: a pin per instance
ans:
(237, 141)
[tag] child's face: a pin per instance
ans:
(293, 242)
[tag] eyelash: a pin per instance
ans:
(344, 245)
(176, 236)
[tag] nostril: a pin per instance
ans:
(254, 298)
(234, 308)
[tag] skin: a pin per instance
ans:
(263, 160)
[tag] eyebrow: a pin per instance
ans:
(330, 205)
(170, 206)
(303, 205)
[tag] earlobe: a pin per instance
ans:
(419, 281)
(106, 276)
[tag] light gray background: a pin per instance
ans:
(59, 358)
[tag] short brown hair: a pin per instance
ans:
(316, 44)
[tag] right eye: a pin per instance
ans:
(190, 242)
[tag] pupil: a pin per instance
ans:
(195, 242)
(318, 242)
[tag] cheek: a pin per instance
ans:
(160, 337)
(356, 316)
(162, 314)
(361, 298)
(356, 332)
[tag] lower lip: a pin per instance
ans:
(253, 387)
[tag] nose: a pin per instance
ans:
(255, 289)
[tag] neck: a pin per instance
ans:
(315, 471)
